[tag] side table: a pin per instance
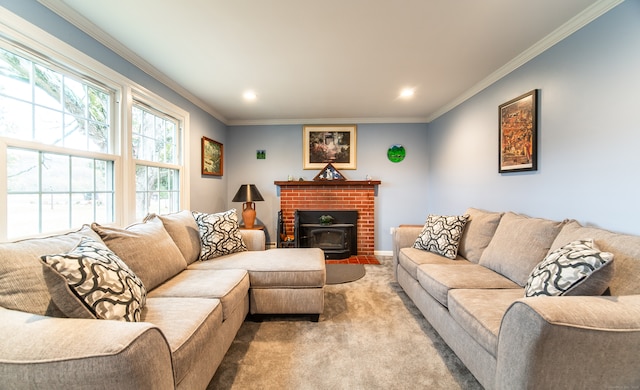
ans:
(255, 227)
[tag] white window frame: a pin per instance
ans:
(22, 32)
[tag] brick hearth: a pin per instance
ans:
(333, 195)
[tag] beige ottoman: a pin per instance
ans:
(282, 280)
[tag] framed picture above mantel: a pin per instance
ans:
(518, 134)
(323, 144)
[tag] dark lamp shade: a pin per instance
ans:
(248, 193)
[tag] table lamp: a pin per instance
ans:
(248, 193)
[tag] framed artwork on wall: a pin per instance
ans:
(212, 157)
(323, 144)
(518, 135)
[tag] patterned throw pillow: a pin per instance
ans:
(219, 234)
(441, 234)
(93, 282)
(578, 268)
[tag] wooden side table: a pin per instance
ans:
(255, 227)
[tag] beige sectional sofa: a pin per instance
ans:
(581, 338)
(179, 314)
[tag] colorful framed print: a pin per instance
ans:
(518, 135)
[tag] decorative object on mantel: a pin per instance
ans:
(212, 157)
(334, 144)
(326, 219)
(329, 172)
(248, 193)
(396, 153)
(518, 137)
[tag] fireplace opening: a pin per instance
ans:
(338, 239)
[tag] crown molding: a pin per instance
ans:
(324, 121)
(582, 19)
(82, 23)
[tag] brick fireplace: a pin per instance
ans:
(333, 195)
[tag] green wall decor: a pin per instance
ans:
(396, 153)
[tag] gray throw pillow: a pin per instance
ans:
(518, 245)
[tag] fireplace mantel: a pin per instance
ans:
(327, 183)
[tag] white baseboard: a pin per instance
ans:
(383, 253)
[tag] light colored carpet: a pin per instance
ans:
(370, 336)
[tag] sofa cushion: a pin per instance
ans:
(219, 234)
(411, 258)
(90, 281)
(479, 312)
(441, 234)
(477, 234)
(183, 229)
(625, 249)
(518, 245)
(146, 248)
(578, 268)
(280, 267)
(22, 283)
(189, 324)
(438, 279)
(230, 286)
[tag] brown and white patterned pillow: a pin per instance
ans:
(219, 234)
(578, 268)
(441, 234)
(93, 282)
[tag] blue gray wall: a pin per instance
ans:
(589, 125)
(403, 184)
(588, 145)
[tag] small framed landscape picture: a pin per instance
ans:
(518, 135)
(212, 157)
(323, 144)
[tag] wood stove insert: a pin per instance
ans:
(338, 239)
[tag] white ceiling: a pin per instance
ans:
(329, 61)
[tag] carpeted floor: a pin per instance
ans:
(370, 336)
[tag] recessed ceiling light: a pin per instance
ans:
(249, 95)
(407, 93)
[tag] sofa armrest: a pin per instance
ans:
(403, 237)
(570, 342)
(254, 239)
(63, 353)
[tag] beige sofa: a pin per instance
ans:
(508, 341)
(191, 314)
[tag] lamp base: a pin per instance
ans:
(249, 214)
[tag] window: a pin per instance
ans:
(66, 156)
(155, 147)
(51, 183)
